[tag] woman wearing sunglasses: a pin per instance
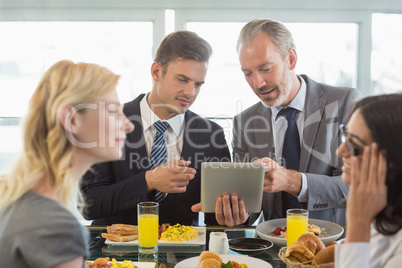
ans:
(372, 155)
(74, 120)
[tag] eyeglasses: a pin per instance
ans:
(354, 149)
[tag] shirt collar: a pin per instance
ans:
(149, 118)
(297, 102)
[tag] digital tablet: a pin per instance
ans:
(244, 179)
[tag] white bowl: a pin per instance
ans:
(329, 231)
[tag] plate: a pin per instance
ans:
(249, 245)
(249, 261)
(329, 231)
(140, 264)
(199, 240)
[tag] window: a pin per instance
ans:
(327, 52)
(386, 55)
(331, 58)
(28, 49)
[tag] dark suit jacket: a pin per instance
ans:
(114, 189)
(325, 108)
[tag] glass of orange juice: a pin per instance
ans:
(148, 227)
(296, 223)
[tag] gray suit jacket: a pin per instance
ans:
(325, 108)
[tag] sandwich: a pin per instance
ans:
(121, 232)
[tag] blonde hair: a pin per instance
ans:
(47, 152)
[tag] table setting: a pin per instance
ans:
(253, 246)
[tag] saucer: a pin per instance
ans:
(249, 245)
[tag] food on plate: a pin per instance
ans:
(121, 232)
(126, 232)
(314, 229)
(308, 251)
(106, 263)
(209, 263)
(119, 238)
(209, 259)
(179, 232)
(282, 232)
(99, 263)
(233, 264)
(122, 229)
(162, 228)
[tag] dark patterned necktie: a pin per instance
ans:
(290, 155)
(158, 152)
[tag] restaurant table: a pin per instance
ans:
(171, 255)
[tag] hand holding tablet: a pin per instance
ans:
(246, 180)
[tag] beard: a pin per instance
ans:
(284, 90)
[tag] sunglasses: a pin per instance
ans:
(354, 149)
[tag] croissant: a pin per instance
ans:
(299, 252)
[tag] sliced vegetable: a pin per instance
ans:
(227, 265)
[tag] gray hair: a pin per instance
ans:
(277, 31)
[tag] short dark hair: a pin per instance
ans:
(383, 116)
(182, 45)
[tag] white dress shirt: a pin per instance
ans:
(382, 251)
(173, 135)
(280, 125)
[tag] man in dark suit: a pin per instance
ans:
(309, 175)
(113, 190)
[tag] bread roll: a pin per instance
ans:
(305, 237)
(330, 243)
(209, 255)
(326, 255)
(210, 263)
(298, 252)
(311, 245)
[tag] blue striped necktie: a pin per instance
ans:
(158, 152)
(291, 155)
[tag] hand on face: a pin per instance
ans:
(368, 192)
(170, 177)
(278, 178)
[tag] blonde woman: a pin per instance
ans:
(74, 120)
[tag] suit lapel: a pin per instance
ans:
(135, 139)
(314, 110)
(265, 138)
(263, 134)
(190, 135)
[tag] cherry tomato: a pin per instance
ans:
(235, 264)
(243, 266)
